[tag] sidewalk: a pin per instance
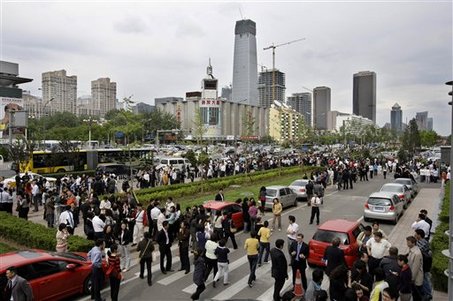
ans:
(429, 199)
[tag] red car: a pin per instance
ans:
(52, 276)
(228, 207)
(346, 230)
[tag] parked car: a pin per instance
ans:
(228, 207)
(383, 206)
(52, 276)
(298, 186)
(285, 194)
(114, 168)
(346, 230)
(11, 182)
(175, 162)
(410, 183)
(400, 190)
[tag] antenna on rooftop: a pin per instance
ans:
(240, 11)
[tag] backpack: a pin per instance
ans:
(427, 261)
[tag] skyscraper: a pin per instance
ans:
(321, 99)
(301, 102)
(61, 90)
(396, 118)
(422, 120)
(265, 87)
(103, 95)
(430, 124)
(245, 76)
(364, 95)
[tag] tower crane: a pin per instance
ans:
(273, 61)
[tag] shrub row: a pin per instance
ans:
(213, 185)
(37, 236)
(440, 242)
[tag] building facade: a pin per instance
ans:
(322, 103)
(396, 118)
(301, 102)
(430, 124)
(245, 75)
(103, 95)
(266, 90)
(284, 122)
(59, 91)
(422, 120)
(352, 123)
(364, 95)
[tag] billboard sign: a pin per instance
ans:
(7, 105)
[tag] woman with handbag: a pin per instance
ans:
(114, 271)
(146, 248)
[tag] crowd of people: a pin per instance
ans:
(121, 225)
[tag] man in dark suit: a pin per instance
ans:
(334, 256)
(220, 196)
(299, 253)
(18, 289)
(163, 239)
(279, 268)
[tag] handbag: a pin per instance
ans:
(144, 251)
(232, 228)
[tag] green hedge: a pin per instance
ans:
(37, 236)
(5, 248)
(213, 185)
(440, 242)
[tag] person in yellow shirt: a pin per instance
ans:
(264, 234)
(252, 246)
(277, 211)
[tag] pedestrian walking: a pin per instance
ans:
(291, 231)
(229, 229)
(139, 224)
(211, 257)
(17, 287)
(62, 238)
(299, 254)
(163, 239)
(315, 203)
(145, 248)
(415, 261)
(124, 238)
(277, 212)
(183, 244)
(251, 245)
(115, 275)
(264, 234)
(262, 198)
(198, 274)
(97, 274)
(279, 269)
(222, 262)
(377, 247)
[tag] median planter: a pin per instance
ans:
(37, 236)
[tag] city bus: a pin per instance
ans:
(46, 162)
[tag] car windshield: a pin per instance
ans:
(379, 202)
(328, 236)
(403, 181)
(271, 192)
(391, 188)
(298, 183)
(69, 256)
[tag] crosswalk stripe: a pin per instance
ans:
(268, 295)
(232, 266)
(156, 267)
(241, 284)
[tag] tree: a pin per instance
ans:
(248, 124)
(20, 152)
(199, 129)
(303, 131)
(428, 138)
(410, 141)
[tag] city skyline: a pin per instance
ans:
(150, 57)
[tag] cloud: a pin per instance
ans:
(130, 24)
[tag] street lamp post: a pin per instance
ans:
(90, 123)
(450, 232)
(41, 115)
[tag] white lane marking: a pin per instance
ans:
(232, 266)
(268, 294)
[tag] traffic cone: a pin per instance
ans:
(298, 289)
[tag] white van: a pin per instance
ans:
(175, 162)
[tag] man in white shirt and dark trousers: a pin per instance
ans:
(98, 225)
(377, 247)
(67, 218)
(315, 202)
(292, 230)
(420, 223)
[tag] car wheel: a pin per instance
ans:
(295, 202)
(87, 285)
(61, 170)
(395, 221)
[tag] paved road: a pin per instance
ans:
(347, 204)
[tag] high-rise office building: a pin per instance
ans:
(396, 118)
(301, 102)
(226, 92)
(59, 91)
(265, 89)
(103, 95)
(321, 100)
(245, 75)
(422, 120)
(430, 123)
(364, 95)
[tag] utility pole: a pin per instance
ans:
(273, 61)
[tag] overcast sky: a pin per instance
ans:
(158, 49)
